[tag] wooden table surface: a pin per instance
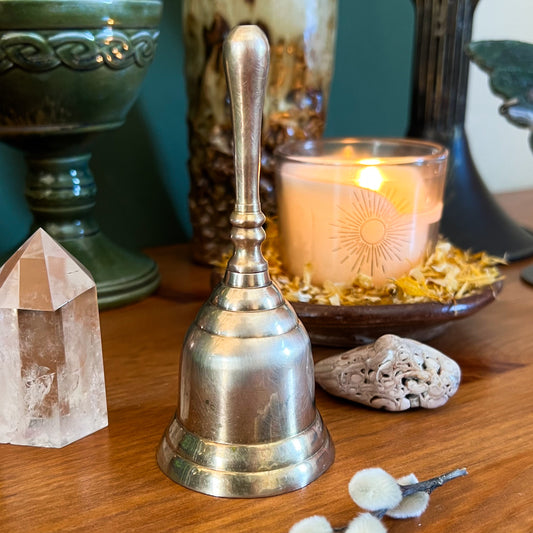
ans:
(109, 481)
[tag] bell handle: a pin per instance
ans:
(246, 61)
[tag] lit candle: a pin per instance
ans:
(358, 206)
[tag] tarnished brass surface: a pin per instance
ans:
(246, 424)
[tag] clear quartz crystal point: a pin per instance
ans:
(52, 387)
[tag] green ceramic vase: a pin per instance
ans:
(68, 70)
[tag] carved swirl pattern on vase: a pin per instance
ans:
(78, 50)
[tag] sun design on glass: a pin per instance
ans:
(371, 234)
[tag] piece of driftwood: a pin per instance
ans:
(393, 373)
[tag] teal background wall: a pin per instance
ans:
(140, 169)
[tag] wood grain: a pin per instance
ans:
(110, 481)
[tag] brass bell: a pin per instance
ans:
(246, 424)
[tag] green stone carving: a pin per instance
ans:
(510, 67)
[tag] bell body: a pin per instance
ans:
(246, 424)
(230, 362)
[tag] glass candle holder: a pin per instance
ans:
(358, 206)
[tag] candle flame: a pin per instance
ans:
(370, 178)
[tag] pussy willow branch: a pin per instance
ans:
(431, 484)
(423, 486)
